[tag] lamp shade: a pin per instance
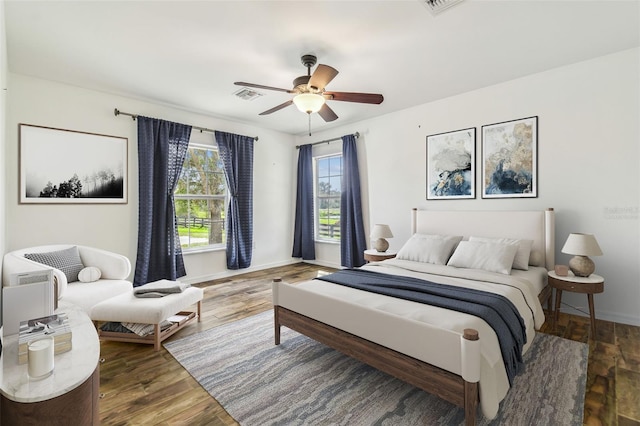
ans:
(582, 245)
(381, 231)
(308, 102)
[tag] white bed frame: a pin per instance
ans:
(459, 389)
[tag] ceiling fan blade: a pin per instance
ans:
(277, 108)
(260, 86)
(322, 76)
(327, 113)
(363, 98)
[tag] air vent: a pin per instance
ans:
(247, 94)
(437, 6)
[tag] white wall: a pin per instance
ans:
(3, 97)
(588, 160)
(114, 226)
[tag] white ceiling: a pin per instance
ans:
(188, 54)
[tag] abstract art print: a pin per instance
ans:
(509, 159)
(451, 165)
(69, 167)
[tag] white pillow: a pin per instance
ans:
(492, 257)
(89, 274)
(521, 260)
(535, 259)
(425, 248)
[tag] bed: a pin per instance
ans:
(454, 355)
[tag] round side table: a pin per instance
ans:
(588, 285)
(374, 255)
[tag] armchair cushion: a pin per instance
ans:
(67, 260)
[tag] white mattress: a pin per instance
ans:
(427, 333)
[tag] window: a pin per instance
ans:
(200, 199)
(328, 180)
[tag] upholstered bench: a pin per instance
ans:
(126, 308)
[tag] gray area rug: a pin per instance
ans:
(302, 382)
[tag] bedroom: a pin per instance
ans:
(588, 155)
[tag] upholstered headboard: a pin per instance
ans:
(538, 226)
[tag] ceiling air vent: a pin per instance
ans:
(247, 94)
(437, 6)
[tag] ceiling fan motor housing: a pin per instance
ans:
(300, 84)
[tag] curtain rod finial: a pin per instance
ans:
(116, 112)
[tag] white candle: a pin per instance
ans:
(40, 357)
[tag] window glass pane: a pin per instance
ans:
(216, 214)
(200, 199)
(216, 184)
(323, 187)
(335, 166)
(323, 167)
(335, 185)
(328, 188)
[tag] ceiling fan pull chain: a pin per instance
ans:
(309, 123)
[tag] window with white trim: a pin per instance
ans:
(200, 199)
(328, 189)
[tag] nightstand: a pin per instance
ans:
(374, 255)
(589, 285)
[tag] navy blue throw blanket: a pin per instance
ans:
(494, 309)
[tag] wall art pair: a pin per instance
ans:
(509, 161)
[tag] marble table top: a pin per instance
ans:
(71, 368)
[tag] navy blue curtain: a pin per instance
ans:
(353, 241)
(162, 146)
(303, 242)
(236, 153)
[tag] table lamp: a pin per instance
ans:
(379, 233)
(582, 246)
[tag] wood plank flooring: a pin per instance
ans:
(145, 387)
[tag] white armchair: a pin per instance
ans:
(114, 268)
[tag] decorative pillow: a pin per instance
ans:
(492, 257)
(535, 259)
(89, 274)
(425, 248)
(67, 260)
(521, 260)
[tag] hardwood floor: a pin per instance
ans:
(144, 387)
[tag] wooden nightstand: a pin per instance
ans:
(589, 285)
(374, 255)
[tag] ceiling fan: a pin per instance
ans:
(310, 94)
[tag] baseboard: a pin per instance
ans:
(323, 263)
(606, 316)
(231, 273)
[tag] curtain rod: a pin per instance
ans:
(117, 112)
(356, 134)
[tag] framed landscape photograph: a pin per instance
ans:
(451, 159)
(510, 159)
(69, 167)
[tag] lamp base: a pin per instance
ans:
(381, 245)
(581, 266)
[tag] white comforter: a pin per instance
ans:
(425, 332)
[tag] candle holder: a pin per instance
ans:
(40, 357)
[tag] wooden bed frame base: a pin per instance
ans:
(431, 379)
(434, 380)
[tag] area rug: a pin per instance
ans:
(302, 382)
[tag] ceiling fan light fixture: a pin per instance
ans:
(308, 102)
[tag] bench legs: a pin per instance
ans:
(158, 335)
